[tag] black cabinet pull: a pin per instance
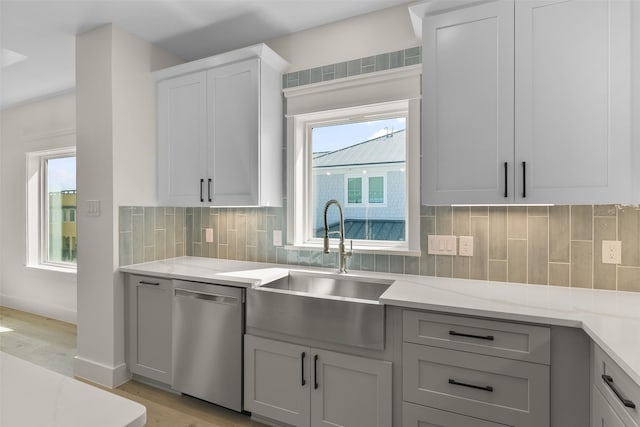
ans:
(480, 337)
(626, 402)
(144, 282)
(302, 356)
(524, 180)
(201, 183)
(477, 387)
(506, 179)
(209, 189)
(315, 371)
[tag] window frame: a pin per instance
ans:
(380, 95)
(38, 210)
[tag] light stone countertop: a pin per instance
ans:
(610, 318)
(31, 395)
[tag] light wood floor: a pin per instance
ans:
(52, 344)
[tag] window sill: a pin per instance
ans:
(376, 250)
(68, 270)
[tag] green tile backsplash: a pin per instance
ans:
(555, 245)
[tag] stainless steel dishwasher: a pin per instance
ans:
(208, 323)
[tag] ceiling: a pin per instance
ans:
(44, 31)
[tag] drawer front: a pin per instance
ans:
(502, 339)
(603, 414)
(506, 391)
(422, 416)
(618, 389)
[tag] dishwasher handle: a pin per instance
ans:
(217, 298)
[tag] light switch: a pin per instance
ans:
(441, 245)
(277, 237)
(208, 235)
(466, 245)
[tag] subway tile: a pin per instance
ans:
(223, 251)
(170, 237)
(252, 253)
(498, 270)
(411, 265)
(412, 51)
(427, 265)
(137, 210)
(125, 253)
(367, 262)
(381, 263)
(559, 233)
(396, 264)
(315, 259)
(559, 274)
(315, 75)
(328, 72)
(180, 225)
(368, 64)
(498, 233)
(241, 237)
(480, 260)
(222, 226)
(341, 70)
(629, 279)
(137, 225)
(330, 260)
(281, 255)
(444, 266)
(479, 211)
(444, 220)
(196, 226)
(180, 251)
(460, 221)
(149, 253)
(261, 220)
(538, 210)
(517, 222)
(354, 67)
(304, 77)
(159, 213)
(629, 234)
(262, 249)
(604, 275)
(517, 260)
(604, 210)
(232, 241)
(292, 79)
(538, 250)
(124, 216)
(414, 60)
(149, 226)
(252, 226)
(581, 264)
(396, 59)
(382, 62)
(461, 267)
(427, 210)
(581, 222)
(284, 81)
(160, 244)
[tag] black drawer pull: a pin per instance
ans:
(302, 356)
(315, 371)
(477, 387)
(144, 282)
(626, 402)
(480, 337)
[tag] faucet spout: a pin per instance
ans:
(343, 254)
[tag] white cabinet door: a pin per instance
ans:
(573, 101)
(468, 85)
(233, 102)
(182, 140)
(602, 414)
(149, 317)
(276, 380)
(350, 391)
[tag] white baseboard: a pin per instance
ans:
(39, 308)
(99, 373)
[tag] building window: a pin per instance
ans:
(356, 140)
(51, 212)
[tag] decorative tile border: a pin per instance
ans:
(369, 64)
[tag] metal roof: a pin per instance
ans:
(385, 149)
(372, 229)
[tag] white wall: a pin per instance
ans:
(41, 125)
(387, 30)
(116, 165)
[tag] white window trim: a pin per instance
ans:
(37, 207)
(365, 96)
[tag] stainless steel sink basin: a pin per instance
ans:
(331, 285)
(341, 309)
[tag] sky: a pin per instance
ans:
(62, 174)
(331, 138)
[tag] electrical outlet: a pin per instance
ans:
(277, 237)
(441, 245)
(208, 235)
(611, 252)
(466, 245)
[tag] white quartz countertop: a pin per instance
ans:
(32, 396)
(610, 318)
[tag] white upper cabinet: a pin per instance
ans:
(220, 130)
(526, 102)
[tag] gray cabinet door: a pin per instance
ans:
(422, 416)
(602, 414)
(350, 391)
(276, 380)
(149, 318)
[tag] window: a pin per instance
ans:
(356, 140)
(51, 200)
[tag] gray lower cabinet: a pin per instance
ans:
(603, 414)
(422, 416)
(305, 386)
(149, 301)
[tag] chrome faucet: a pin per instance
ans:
(342, 266)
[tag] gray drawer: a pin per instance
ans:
(627, 389)
(422, 416)
(506, 391)
(493, 338)
(603, 414)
